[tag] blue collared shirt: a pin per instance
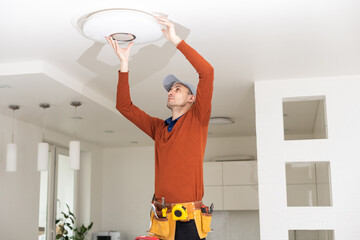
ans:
(170, 123)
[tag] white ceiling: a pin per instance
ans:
(44, 59)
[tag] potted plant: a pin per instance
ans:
(66, 223)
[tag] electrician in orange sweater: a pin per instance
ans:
(179, 141)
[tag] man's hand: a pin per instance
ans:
(122, 53)
(169, 32)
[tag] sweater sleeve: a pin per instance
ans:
(125, 106)
(202, 105)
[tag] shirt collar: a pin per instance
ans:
(169, 120)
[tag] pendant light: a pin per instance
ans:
(43, 147)
(74, 146)
(11, 153)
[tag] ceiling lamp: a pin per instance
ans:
(220, 121)
(43, 147)
(11, 151)
(122, 24)
(74, 146)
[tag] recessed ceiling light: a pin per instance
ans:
(77, 118)
(123, 24)
(108, 131)
(134, 142)
(220, 121)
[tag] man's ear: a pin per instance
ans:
(192, 98)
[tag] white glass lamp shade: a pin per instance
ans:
(74, 154)
(11, 156)
(96, 25)
(43, 156)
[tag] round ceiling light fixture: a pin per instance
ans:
(220, 121)
(122, 24)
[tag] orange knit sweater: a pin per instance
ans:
(179, 154)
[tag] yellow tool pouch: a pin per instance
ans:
(159, 227)
(202, 221)
(205, 222)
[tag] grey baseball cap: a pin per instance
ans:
(170, 80)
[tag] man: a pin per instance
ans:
(179, 141)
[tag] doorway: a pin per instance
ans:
(57, 189)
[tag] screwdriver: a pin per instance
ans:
(164, 209)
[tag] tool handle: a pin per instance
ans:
(163, 211)
(204, 209)
(211, 208)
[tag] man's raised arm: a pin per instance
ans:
(203, 68)
(124, 104)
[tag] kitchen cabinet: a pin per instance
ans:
(231, 185)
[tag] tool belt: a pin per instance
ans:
(190, 206)
(164, 227)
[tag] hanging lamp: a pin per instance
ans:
(74, 145)
(11, 151)
(43, 147)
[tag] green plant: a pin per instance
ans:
(67, 223)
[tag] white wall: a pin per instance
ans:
(235, 225)
(230, 146)
(20, 190)
(340, 149)
(128, 186)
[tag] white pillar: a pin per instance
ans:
(341, 150)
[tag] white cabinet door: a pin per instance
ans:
(213, 174)
(240, 173)
(213, 194)
(241, 198)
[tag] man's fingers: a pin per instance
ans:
(164, 21)
(116, 44)
(161, 18)
(120, 51)
(110, 41)
(130, 44)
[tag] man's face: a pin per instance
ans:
(179, 95)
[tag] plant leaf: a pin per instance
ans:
(90, 226)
